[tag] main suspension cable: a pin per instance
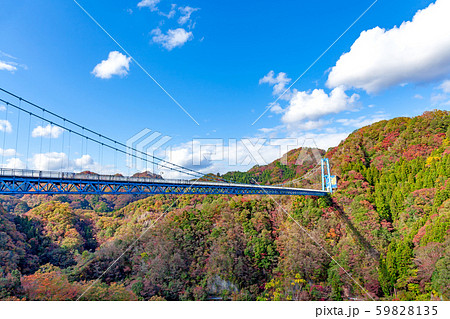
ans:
(106, 138)
(177, 168)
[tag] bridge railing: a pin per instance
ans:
(80, 176)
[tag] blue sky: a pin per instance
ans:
(212, 57)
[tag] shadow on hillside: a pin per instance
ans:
(360, 238)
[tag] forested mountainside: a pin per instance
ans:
(294, 165)
(387, 225)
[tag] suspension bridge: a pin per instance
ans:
(28, 130)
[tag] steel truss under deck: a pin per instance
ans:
(16, 184)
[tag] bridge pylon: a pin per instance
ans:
(329, 182)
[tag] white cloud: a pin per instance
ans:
(151, 4)
(171, 13)
(186, 14)
(173, 38)
(441, 98)
(5, 126)
(279, 82)
(362, 121)
(418, 51)
(50, 131)
(7, 66)
(116, 64)
(55, 161)
(276, 108)
(316, 104)
(8, 152)
(50, 161)
(324, 140)
(312, 125)
(9, 56)
(418, 96)
(14, 163)
(84, 161)
(271, 131)
(445, 86)
(2, 108)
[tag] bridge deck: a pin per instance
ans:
(41, 182)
